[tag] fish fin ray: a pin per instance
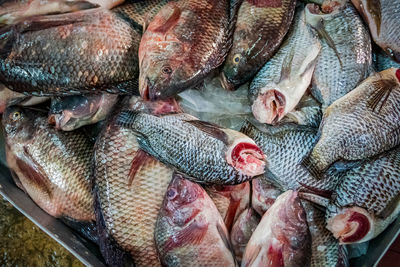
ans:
(210, 129)
(287, 65)
(138, 161)
(381, 95)
(324, 34)
(313, 198)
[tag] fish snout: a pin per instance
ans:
(226, 83)
(269, 107)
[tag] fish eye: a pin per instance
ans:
(166, 70)
(236, 58)
(171, 193)
(15, 115)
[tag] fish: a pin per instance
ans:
(90, 51)
(280, 84)
(382, 61)
(205, 152)
(367, 200)
(285, 147)
(129, 188)
(52, 167)
(282, 237)
(9, 98)
(307, 112)
(230, 200)
(382, 18)
(263, 195)
(183, 44)
(242, 230)
(326, 250)
(260, 29)
(361, 124)
(346, 53)
(189, 229)
(71, 112)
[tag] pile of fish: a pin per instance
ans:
(205, 132)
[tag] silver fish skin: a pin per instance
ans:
(280, 84)
(346, 54)
(307, 112)
(383, 19)
(263, 195)
(362, 124)
(382, 61)
(285, 146)
(326, 250)
(206, 152)
(282, 237)
(367, 200)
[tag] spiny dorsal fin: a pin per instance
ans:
(384, 87)
(210, 129)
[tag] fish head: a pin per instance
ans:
(8, 97)
(269, 105)
(18, 123)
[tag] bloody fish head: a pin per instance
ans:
(269, 107)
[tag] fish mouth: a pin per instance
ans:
(351, 225)
(63, 121)
(225, 83)
(246, 157)
(269, 107)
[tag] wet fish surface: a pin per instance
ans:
(382, 61)
(260, 29)
(9, 98)
(346, 55)
(263, 195)
(282, 81)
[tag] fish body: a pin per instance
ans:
(184, 42)
(382, 61)
(367, 200)
(382, 17)
(346, 55)
(230, 200)
(307, 112)
(82, 52)
(71, 112)
(363, 123)
(8, 98)
(282, 237)
(52, 167)
(205, 152)
(263, 195)
(129, 188)
(260, 29)
(282, 81)
(190, 230)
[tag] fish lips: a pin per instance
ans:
(269, 107)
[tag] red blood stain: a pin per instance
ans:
(362, 229)
(275, 257)
(398, 74)
(236, 152)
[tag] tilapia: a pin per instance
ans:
(326, 250)
(285, 146)
(9, 98)
(52, 167)
(280, 84)
(346, 55)
(189, 229)
(205, 152)
(383, 18)
(367, 200)
(263, 195)
(242, 231)
(184, 42)
(382, 61)
(363, 123)
(129, 188)
(71, 112)
(230, 200)
(81, 52)
(307, 112)
(260, 29)
(282, 237)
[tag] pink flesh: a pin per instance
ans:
(167, 106)
(352, 226)
(398, 74)
(275, 257)
(362, 229)
(248, 158)
(272, 104)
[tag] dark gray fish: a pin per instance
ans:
(382, 61)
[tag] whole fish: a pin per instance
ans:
(71, 112)
(263, 195)
(206, 152)
(189, 229)
(280, 84)
(346, 55)
(326, 250)
(81, 52)
(363, 123)
(230, 200)
(52, 167)
(282, 237)
(184, 42)
(129, 188)
(260, 28)
(382, 17)
(367, 200)
(382, 61)
(9, 98)
(285, 146)
(242, 231)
